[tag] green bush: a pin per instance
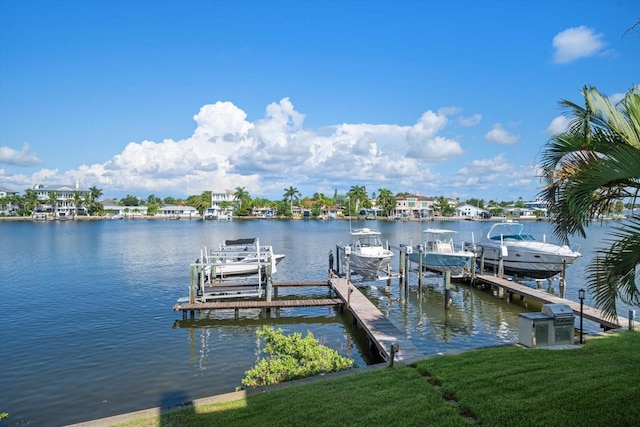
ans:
(292, 357)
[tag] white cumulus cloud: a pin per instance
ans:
(558, 125)
(575, 43)
(500, 135)
(23, 157)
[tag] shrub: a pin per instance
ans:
(292, 357)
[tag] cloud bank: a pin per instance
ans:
(267, 155)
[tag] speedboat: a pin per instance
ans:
(439, 253)
(522, 254)
(238, 257)
(368, 255)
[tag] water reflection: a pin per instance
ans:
(210, 330)
(475, 318)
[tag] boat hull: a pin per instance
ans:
(369, 266)
(441, 263)
(531, 259)
(245, 267)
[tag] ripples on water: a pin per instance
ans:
(88, 328)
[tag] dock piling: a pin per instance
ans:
(447, 289)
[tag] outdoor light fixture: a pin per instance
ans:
(581, 297)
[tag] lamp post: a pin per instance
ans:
(581, 297)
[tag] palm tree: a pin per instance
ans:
(77, 202)
(30, 200)
(96, 193)
(386, 201)
(358, 195)
(290, 194)
(441, 204)
(586, 171)
(242, 196)
(53, 201)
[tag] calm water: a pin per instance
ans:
(88, 329)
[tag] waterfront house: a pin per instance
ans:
(472, 212)
(6, 207)
(175, 211)
(61, 200)
(413, 205)
(222, 203)
(124, 212)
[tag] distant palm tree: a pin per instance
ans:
(30, 200)
(241, 195)
(77, 201)
(587, 170)
(386, 201)
(96, 193)
(53, 201)
(358, 198)
(290, 194)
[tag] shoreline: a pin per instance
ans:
(244, 218)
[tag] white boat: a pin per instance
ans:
(239, 257)
(439, 253)
(217, 214)
(522, 254)
(368, 257)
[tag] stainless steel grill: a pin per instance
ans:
(562, 314)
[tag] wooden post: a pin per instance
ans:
(419, 267)
(447, 289)
(473, 270)
(269, 287)
(348, 267)
(192, 287)
(482, 262)
(406, 270)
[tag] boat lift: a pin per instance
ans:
(209, 282)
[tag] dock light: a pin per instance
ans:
(394, 349)
(581, 297)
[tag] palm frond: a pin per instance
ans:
(614, 274)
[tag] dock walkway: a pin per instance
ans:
(381, 331)
(543, 297)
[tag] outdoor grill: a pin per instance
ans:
(553, 325)
(562, 314)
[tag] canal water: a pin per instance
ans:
(88, 329)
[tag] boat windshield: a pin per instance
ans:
(368, 241)
(508, 231)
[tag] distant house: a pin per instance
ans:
(117, 211)
(470, 211)
(65, 199)
(522, 213)
(538, 205)
(222, 204)
(413, 205)
(174, 211)
(6, 207)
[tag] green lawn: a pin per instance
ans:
(596, 385)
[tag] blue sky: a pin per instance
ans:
(173, 98)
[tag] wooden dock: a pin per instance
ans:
(379, 329)
(244, 304)
(543, 297)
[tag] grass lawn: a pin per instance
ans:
(595, 385)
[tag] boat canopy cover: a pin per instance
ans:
(438, 231)
(240, 242)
